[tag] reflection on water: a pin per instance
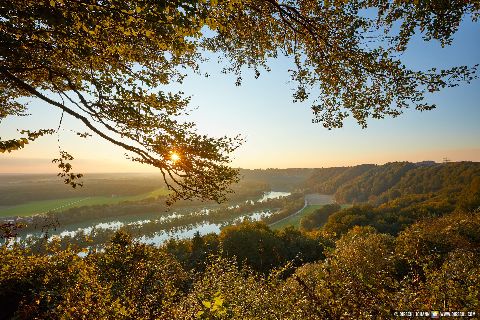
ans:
(187, 231)
(181, 233)
(139, 223)
(256, 216)
(206, 227)
(202, 228)
(112, 225)
(273, 195)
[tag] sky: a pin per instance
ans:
(280, 133)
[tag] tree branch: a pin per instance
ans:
(25, 86)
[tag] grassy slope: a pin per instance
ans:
(37, 207)
(295, 220)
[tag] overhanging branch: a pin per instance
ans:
(25, 86)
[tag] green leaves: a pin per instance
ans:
(213, 309)
(103, 64)
(349, 60)
(62, 52)
(367, 275)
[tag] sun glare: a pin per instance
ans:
(174, 157)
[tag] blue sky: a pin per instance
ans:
(279, 133)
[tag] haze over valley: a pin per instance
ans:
(239, 160)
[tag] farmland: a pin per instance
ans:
(44, 206)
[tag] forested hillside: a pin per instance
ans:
(413, 246)
(381, 183)
(328, 180)
(391, 197)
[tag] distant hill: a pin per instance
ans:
(382, 183)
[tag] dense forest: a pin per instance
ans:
(381, 183)
(393, 196)
(410, 243)
(252, 272)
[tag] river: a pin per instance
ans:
(186, 231)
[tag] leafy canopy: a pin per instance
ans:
(107, 63)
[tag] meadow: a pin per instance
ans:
(57, 205)
(294, 220)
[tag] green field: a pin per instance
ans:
(295, 220)
(44, 206)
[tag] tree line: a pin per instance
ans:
(393, 196)
(252, 272)
(379, 184)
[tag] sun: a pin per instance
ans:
(174, 157)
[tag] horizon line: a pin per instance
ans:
(269, 168)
